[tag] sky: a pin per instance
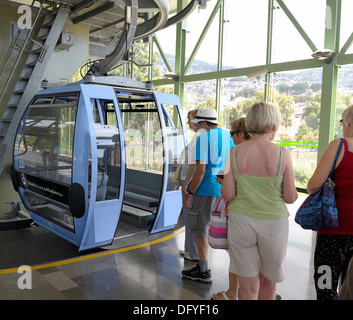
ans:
(246, 31)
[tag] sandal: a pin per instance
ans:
(223, 293)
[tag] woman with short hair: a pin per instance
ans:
(258, 182)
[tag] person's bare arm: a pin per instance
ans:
(195, 182)
(188, 178)
(323, 168)
(228, 188)
(289, 191)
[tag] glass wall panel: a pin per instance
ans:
(198, 94)
(346, 23)
(288, 44)
(298, 96)
(311, 16)
(208, 51)
(167, 41)
(245, 33)
(344, 95)
(237, 96)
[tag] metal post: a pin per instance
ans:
(220, 57)
(329, 76)
(269, 48)
(180, 53)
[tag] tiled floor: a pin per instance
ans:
(151, 272)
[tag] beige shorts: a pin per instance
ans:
(257, 245)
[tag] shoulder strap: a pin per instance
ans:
(336, 157)
(280, 161)
(235, 159)
(345, 145)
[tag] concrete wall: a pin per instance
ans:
(64, 63)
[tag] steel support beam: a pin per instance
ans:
(296, 24)
(220, 57)
(203, 35)
(161, 52)
(347, 45)
(239, 72)
(180, 53)
(269, 48)
(329, 76)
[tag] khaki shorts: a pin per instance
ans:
(257, 245)
(200, 214)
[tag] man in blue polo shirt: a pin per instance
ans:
(211, 152)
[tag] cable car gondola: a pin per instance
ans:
(94, 155)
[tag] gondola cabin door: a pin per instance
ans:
(68, 163)
(105, 165)
(174, 141)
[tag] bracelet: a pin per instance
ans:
(189, 192)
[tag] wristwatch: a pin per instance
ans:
(189, 192)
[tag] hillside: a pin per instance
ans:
(345, 73)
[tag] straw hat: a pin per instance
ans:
(209, 115)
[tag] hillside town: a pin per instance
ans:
(296, 93)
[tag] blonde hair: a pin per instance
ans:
(192, 113)
(347, 114)
(262, 117)
(238, 125)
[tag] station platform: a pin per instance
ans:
(147, 269)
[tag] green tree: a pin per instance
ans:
(312, 108)
(305, 133)
(245, 105)
(311, 114)
(299, 87)
(343, 100)
(210, 103)
(247, 93)
(316, 86)
(284, 88)
(286, 106)
(301, 98)
(312, 121)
